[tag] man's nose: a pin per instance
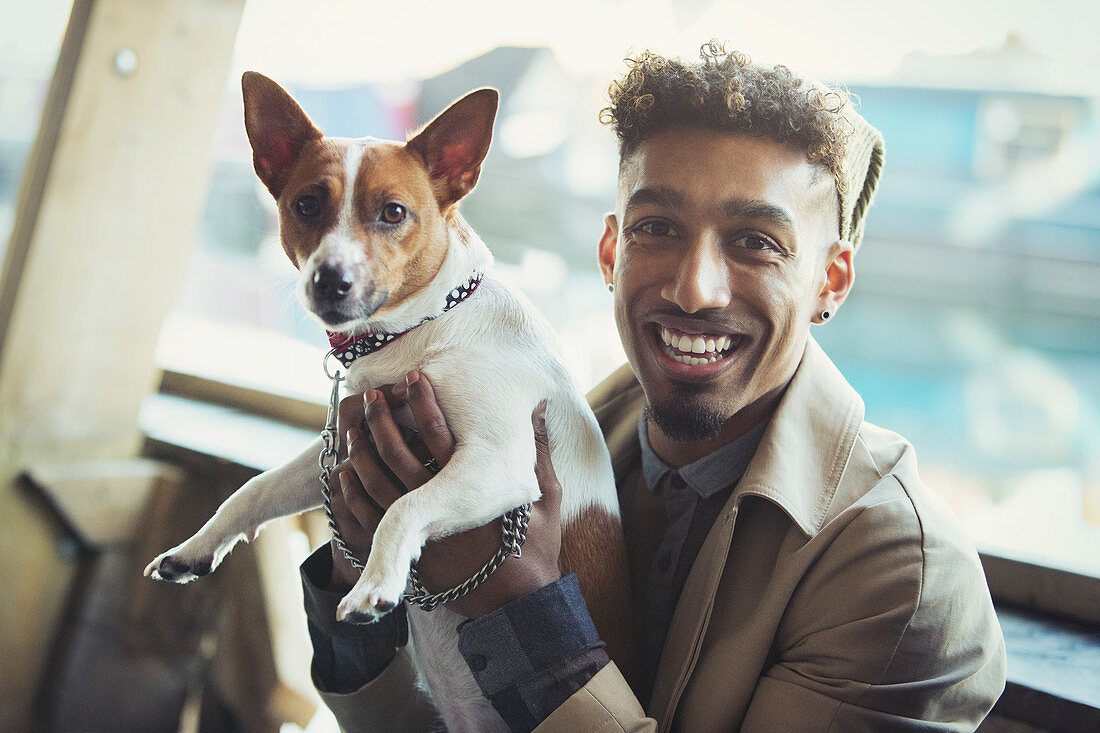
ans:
(702, 278)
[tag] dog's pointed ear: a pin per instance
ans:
(277, 128)
(454, 144)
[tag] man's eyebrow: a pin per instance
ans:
(758, 210)
(659, 195)
(755, 209)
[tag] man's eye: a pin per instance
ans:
(655, 228)
(307, 205)
(757, 242)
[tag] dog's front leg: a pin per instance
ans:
(289, 489)
(476, 486)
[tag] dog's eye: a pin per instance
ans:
(307, 205)
(393, 213)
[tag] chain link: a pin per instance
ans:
(513, 530)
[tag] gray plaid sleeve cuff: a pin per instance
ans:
(533, 653)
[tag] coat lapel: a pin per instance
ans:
(617, 401)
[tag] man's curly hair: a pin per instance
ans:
(725, 91)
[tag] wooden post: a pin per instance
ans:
(102, 235)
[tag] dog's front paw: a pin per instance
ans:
(367, 602)
(176, 567)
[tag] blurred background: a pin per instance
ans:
(974, 327)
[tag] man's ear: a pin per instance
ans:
(277, 128)
(840, 275)
(454, 144)
(608, 244)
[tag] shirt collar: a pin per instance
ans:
(714, 472)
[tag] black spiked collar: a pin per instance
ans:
(348, 349)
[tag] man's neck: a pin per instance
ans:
(678, 453)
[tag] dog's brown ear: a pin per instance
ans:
(454, 144)
(277, 128)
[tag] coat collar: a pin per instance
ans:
(798, 466)
(802, 454)
(806, 447)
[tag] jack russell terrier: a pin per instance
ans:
(374, 229)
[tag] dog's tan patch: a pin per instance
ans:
(592, 546)
(408, 257)
(318, 171)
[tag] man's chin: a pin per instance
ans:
(685, 423)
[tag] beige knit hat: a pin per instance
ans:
(860, 172)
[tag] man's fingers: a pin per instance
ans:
(356, 537)
(394, 393)
(350, 415)
(430, 422)
(352, 508)
(389, 443)
(544, 467)
(369, 469)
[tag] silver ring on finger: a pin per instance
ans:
(432, 465)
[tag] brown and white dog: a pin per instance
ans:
(373, 227)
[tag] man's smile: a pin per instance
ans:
(696, 348)
(699, 353)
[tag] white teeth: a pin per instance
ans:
(683, 347)
(694, 360)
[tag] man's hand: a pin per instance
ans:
(376, 475)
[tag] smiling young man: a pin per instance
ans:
(724, 248)
(790, 571)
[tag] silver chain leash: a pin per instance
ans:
(513, 530)
(513, 533)
(327, 460)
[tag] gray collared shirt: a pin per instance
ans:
(693, 497)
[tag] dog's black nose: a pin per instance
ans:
(331, 282)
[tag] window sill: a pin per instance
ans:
(1053, 672)
(223, 434)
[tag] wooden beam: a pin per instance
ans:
(103, 231)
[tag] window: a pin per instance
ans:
(1023, 131)
(28, 53)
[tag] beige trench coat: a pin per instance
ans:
(835, 592)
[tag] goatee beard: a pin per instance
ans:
(685, 423)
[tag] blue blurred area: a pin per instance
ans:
(962, 290)
(349, 112)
